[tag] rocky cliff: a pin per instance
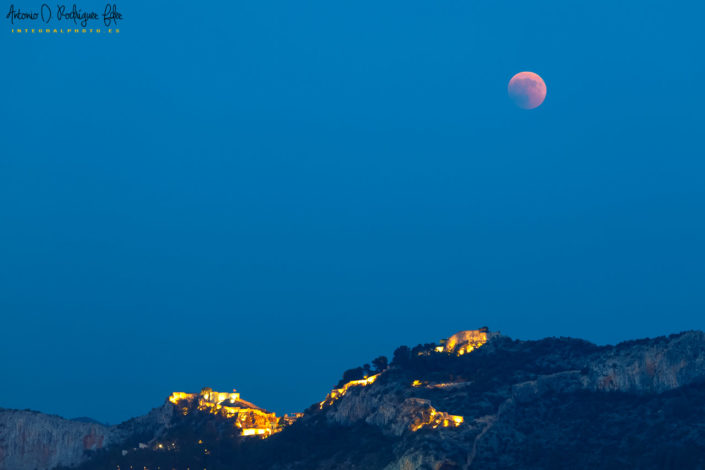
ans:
(30, 440)
(492, 389)
(477, 400)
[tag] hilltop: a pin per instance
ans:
(474, 400)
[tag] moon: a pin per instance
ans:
(527, 89)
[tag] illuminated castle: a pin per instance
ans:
(255, 421)
(467, 341)
(249, 418)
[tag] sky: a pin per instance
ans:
(260, 195)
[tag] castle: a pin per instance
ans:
(249, 418)
(255, 421)
(466, 341)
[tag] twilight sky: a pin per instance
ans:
(262, 194)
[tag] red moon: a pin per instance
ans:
(527, 89)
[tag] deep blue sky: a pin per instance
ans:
(260, 195)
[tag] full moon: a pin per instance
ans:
(527, 89)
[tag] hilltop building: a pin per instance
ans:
(251, 419)
(466, 341)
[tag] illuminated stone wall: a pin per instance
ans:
(467, 341)
(427, 416)
(337, 393)
(253, 421)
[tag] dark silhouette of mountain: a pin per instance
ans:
(477, 400)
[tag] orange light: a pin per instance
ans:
(337, 393)
(252, 420)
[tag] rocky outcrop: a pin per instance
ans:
(553, 368)
(31, 440)
(650, 366)
(386, 411)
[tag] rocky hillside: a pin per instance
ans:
(477, 400)
(538, 404)
(30, 440)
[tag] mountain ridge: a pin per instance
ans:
(431, 408)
